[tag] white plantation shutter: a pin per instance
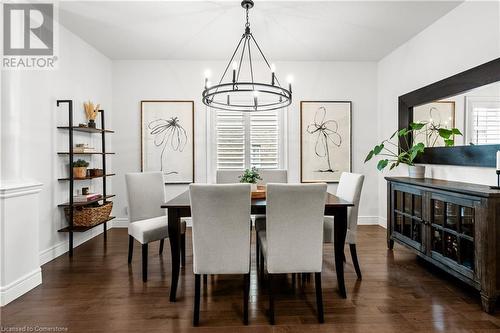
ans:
(230, 140)
(486, 125)
(245, 140)
(264, 140)
(483, 120)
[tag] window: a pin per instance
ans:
(244, 140)
(483, 122)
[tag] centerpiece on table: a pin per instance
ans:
(394, 155)
(251, 176)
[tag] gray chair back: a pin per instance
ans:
(145, 194)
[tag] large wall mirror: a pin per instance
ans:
(468, 101)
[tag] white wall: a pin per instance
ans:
(83, 73)
(134, 81)
(466, 37)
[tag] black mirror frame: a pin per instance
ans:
(480, 155)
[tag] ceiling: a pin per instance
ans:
(209, 30)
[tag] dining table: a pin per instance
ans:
(180, 207)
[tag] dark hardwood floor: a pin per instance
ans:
(98, 292)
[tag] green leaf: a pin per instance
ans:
(445, 133)
(393, 135)
(393, 165)
(456, 131)
(449, 142)
(369, 156)
(382, 164)
(419, 147)
(378, 149)
(403, 132)
(417, 126)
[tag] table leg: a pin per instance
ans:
(174, 235)
(340, 231)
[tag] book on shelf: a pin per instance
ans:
(86, 197)
(84, 150)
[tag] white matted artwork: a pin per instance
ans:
(440, 114)
(167, 133)
(325, 140)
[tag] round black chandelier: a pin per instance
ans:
(246, 95)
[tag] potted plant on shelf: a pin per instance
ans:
(395, 155)
(80, 169)
(250, 176)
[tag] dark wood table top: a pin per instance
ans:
(182, 201)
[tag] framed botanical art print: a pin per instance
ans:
(439, 114)
(325, 129)
(167, 134)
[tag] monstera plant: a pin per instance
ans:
(394, 155)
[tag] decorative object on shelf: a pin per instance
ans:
(86, 197)
(91, 112)
(88, 216)
(435, 115)
(83, 148)
(80, 169)
(85, 190)
(250, 176)
(406, 155)
(246, 94)
(83, 125)
(167, 133)
(95, 172)
(497, 187)
(325, 129)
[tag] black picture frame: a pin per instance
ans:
(480, 155)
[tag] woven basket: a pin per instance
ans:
(88, 216)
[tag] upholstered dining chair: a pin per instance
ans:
(148, 221)
(349, 188)
(293, 239)
(221, 235)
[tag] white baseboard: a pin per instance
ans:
(382, 221)
(20, 287)
(367, 220)
(61, 248)
(120, 222)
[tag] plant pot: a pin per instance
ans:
(254, 187)
(416, 171)
(79, 172)
(91, 123)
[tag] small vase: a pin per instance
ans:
(254, 187)
(416, 171)
(79, 172)
(91, 123)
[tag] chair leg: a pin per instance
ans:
(293, 280)
(205, 279)
(144, 262)
(319, 297)
(196, 313)
(261, 267)
(130, 248)
(183, 250)
(355, 262)
(246, 292)
(162, 241)
(271, 298)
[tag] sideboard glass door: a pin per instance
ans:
(408, 221)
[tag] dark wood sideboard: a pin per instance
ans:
(453, 225)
